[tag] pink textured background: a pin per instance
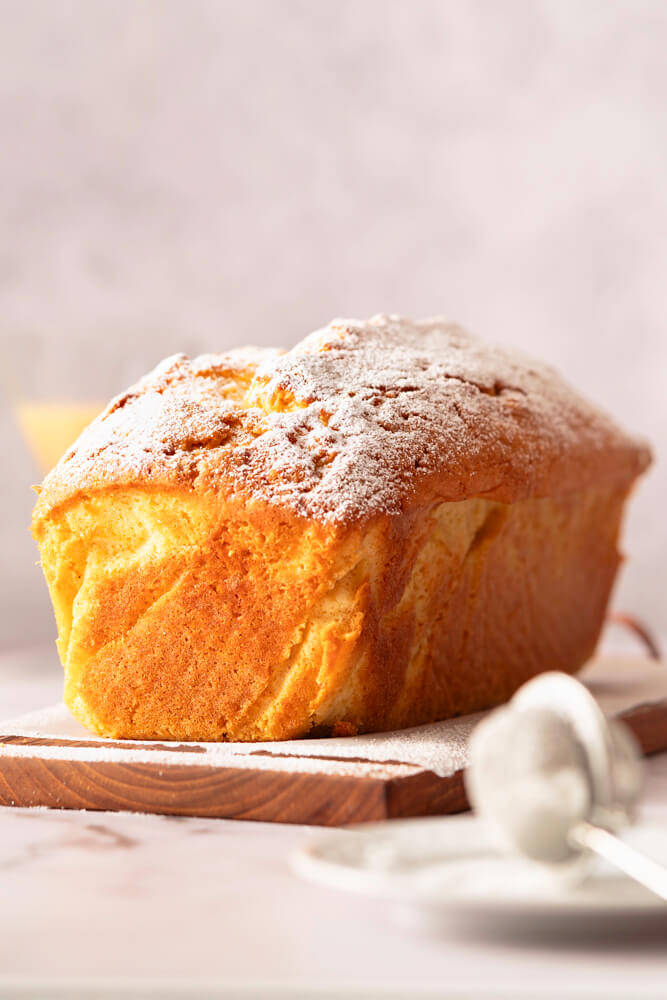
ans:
(190, 176)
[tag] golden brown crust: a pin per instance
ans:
(367, 532)
(180, 619)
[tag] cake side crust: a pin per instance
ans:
(182, 619)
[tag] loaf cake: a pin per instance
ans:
(389, 524)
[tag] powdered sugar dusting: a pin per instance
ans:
(353, 421)
(440, 747)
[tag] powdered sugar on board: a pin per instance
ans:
(618, 683)
(349, 423)
(440, 748)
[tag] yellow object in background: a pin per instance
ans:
(50, 428)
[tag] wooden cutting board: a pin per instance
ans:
(48, 759)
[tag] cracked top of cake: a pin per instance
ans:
(356, 420)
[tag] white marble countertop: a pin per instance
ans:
(99, 904)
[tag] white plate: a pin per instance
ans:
(452, 864)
